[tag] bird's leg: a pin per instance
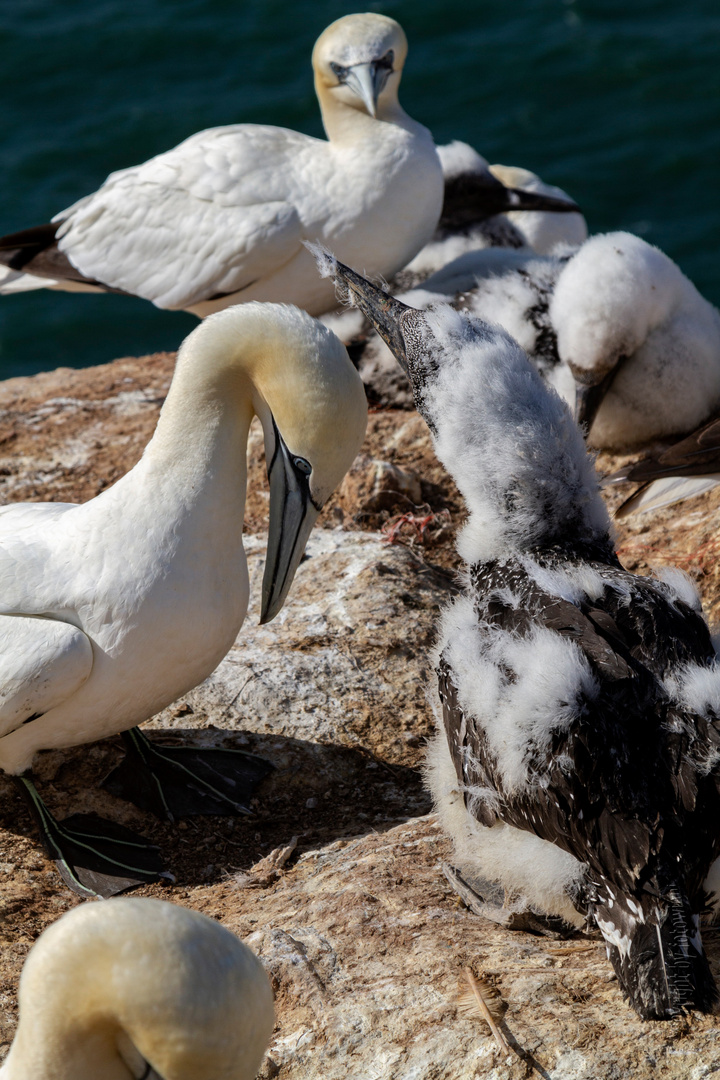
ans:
(95, 857)
(513, 916)
(179, 781)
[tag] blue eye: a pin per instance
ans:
(302, 465)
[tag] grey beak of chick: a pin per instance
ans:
(384, 311)
(292, 516)
(590, 396)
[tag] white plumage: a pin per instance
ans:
(112, 609)
(615, 317)
(577, 760)
(222, 217)
(138, 989)
(541, 229)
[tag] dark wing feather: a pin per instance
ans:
(625, 788)
(35, 251)
(696, 455)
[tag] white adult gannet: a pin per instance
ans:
(221, 218)
(113, 609)
(577, 760)
(135, 989)
(491, 206)
(614, 326)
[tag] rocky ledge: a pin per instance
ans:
(336, 879)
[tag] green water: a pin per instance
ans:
(617, 103)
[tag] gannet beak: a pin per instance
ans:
(383, 311)
(590, 396)
(475, 196)
(519, 199)
(367, 80)
(292, 516)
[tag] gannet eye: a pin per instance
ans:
(386, 61)
(302, 465)
(339, 71)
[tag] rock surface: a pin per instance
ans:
(363, 938)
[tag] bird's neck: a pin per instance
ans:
(197, 456)
(513, 450)
(345, 125)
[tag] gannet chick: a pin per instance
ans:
(614, 326)
(577, 760)
(222, 217)
(490, 206)
(138, 988)
(113, 609)
(688, 468)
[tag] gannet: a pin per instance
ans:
(688, 468)
(113, 609)
(577, 759)
(222, 217)
(489, 206)
(614, 326)
(135, 989)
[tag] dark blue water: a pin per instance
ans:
(619, 103)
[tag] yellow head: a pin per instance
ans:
(358, 62)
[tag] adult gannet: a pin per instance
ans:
(688, 468)
(490, 206)
(577, 760)
(221, 218)
(113, 609)
(614, 326)
(136, 989)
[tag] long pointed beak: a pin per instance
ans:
(589, 397)
(383, 311)
(519, 199)
(473, 197)
(292, 516)
(366, 80)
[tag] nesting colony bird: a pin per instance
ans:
(135, 989)
(221, 218)
(614, 326)
(113, 609)
(688, 468)
(493, 206)
(577, 760)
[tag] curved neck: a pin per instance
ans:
(207, 412)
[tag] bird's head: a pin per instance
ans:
(507, 440)
(311, 403)
(358, 62)
(278, 362)
(140, 987)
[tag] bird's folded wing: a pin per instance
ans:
(42, 662)
(207, 218)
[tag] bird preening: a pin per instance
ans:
(140, 988)
(114, 608)
(576, 759)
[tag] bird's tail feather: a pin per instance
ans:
(655, 948)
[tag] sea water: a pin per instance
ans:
(618, 103)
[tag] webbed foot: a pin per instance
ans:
(517, 916)
(180, 781)
(95, 858)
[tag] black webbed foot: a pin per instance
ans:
(180, 781)
(95, 858)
